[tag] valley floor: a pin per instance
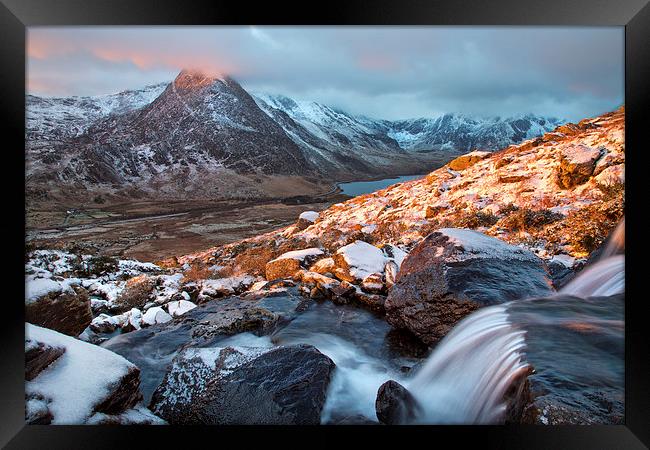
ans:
(155, 230)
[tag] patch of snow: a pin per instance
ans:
(179, 307)
(38, 287)
(300, 254)
(566, 260)
(479, 244)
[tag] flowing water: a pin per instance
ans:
(574, 344)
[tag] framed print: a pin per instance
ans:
(409, 218)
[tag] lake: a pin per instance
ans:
(363, 187)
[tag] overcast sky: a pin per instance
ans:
(385, 72)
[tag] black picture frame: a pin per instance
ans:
(634, 15)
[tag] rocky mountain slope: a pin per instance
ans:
(205, 137)
(559, 194)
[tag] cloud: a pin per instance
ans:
(391, 72)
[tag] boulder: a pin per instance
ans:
(84, 379)
(306, 219)
(180, 307)
(66, 310)
(153, 348)
(287, 264)
(395, 405)
(282, 386)
(453, 272)
(224, 286)
(323, 266)
(282, 268)
(467, 160)
(155, 315)
(357, 260)
(577, 164)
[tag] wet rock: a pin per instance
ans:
(577, 352)
(456, 271)
(395, 405)
(68, 312)
(356, 419)
(282, 386)
(39, 355)
(577, 164)
(467, 160)
(153, 348)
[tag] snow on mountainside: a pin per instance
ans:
(336, 142)
(448, 133)
(57, 117)
(207, 136)
(462, 133)
(200, 136)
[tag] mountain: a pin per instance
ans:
(461, 133)
(205, 137)
(202, 135)
(63, 117)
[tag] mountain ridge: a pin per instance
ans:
(201, 134)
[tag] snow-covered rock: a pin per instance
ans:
(180, 307)
(287, 264)
(155, 315)
(358, 260)
(224, 286)
(309, 216)
(85, 379)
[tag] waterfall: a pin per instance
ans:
(465, 378)
(607, 275)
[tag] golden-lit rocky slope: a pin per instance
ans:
(559, 194)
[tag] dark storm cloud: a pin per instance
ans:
(390, 72)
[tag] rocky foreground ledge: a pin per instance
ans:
(487, 229)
